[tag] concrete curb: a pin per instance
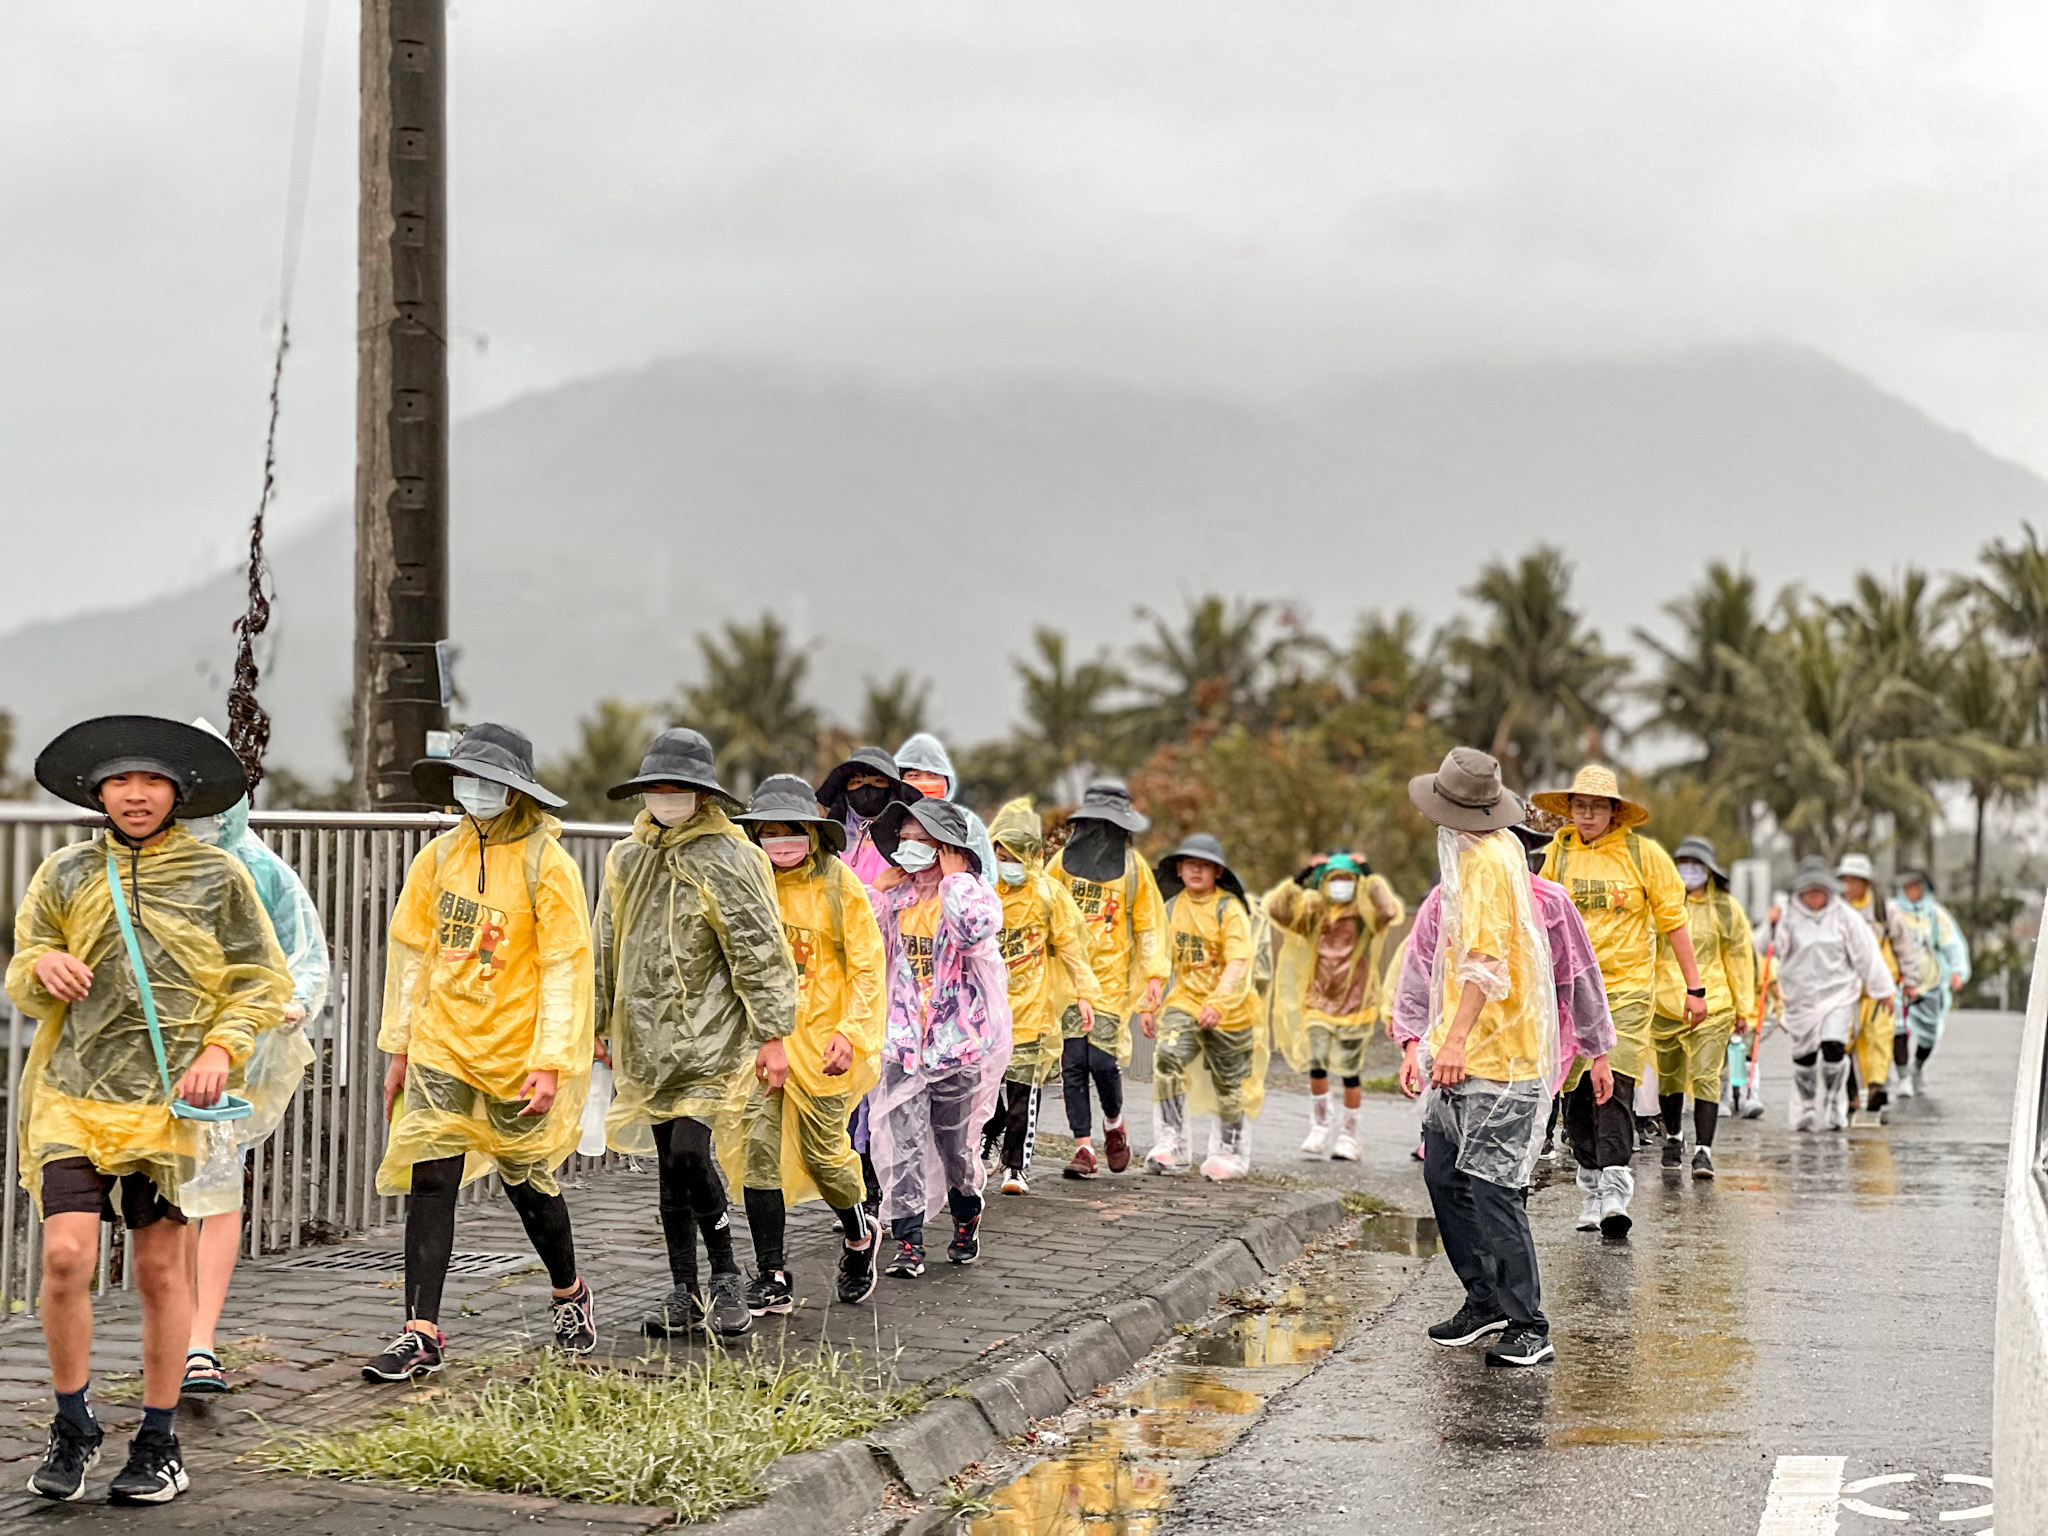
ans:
(828, 1490)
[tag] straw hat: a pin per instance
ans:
(1593, 779)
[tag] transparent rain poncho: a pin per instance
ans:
(90, 1086)
(488, 979)
(1490, 937)
(277, 1065)
(1298, 918)
(694, 973)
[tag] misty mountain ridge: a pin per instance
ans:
(597, 527)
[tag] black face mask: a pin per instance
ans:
(870, 800)
(1095, 851)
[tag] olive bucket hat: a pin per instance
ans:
(942, 818)
(209, 776)
(1206, 846)
(786, 798)
(496, 753)
(679, 756)
(1110, 800)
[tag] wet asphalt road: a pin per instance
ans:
(1828, 1295)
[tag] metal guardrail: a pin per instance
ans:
(312, 1180)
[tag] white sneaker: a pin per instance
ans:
(1345, 1149)
(1919, 1083)
(1317, 1142)
(1589, 1212)
(1903, 1085)
(1014, 1184)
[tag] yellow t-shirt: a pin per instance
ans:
(1206, 935)
(1627, 890)
(1039, 992)
(1506, 1039)
(835, 994)
(1126, 948)
(1726, 948)
(919, 926)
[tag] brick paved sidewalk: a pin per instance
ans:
(1067, 1246)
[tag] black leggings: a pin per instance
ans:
(1014, 1123)
(430, 1233)
(1082, 1061)
(693, 1200)
(1706, 1115)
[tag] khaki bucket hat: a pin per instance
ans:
(1593, 779)
(1466, 793)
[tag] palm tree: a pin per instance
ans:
(1065, 709)
(1220, 665)
(1695, 685)
(892, 712)
(1987, 700)
(2012, 597)
(1537, 683)
(750, 703)
(610, 742)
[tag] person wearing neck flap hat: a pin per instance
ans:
(1335, 917)
(1690, 1058)
(1628, 892)
(1210, 1015)
(487, 1021)
(1877, 1028)
(695, 984)
(947, 1044)
(854, 794)
(795, 1137)
(146, 960)
(1828, 962)
(1945, 968)
(1125, 922)
(927, 769)
(1045, 947)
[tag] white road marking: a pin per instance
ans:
(1805, 1497)
(1876, 1511)
(1865, 1484)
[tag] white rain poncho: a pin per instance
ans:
(1827, 962)
(925, 753)
(1490, 938)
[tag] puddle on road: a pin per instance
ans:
(1116, 1476)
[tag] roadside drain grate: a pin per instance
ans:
(391, 1261)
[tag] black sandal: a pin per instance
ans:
(203, 1375)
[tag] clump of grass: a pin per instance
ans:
(697, 1440)
(1386, 1082)
(1358, 1202)
(118, 1387)
(235, 1354)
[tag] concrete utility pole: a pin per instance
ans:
(401, 397)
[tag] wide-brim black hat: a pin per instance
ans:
(209, 776)
(680, 756)
(832, 793)
(942, 818)
(1110, 800)
(1198, 845)
(785, 797)
(497, 753)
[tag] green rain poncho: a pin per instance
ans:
(694, 973)
(90, 1086)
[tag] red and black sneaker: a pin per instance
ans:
(966, 1245)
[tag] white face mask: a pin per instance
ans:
(916, 858)
(1009, 874)
(1694, 875)
(481, 798)
(1340, 892)
(672, 810)
(205, 828)
(786, 852)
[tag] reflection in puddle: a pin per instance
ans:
(1118, 1475)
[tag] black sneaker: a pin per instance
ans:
(1702, 1163)
(69, 1456)
(576, 1321)
(679, 1312)
(909, 1261)
(966, 1245)
(771, 1293)
(155, 1473)
(858, 1272)
(411, 1355)
(1674, 1151)
(1468, 1327)
(728, 1305)
(1521, 1346)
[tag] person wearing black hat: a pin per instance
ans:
(1210, 1013)
(694, 980)
(487, 1022)
(795, 1137)
(853, 794)
(1125, 923)
(1690, 1058)
(948, 1038)
(145, 957)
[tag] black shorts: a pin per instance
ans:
(72, 1184)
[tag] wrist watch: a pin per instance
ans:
(1695, 991)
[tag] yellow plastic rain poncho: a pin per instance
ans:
(489, 979)
(1876, 1023)
(836, 946)
(90, 1086)
(1691, 1057)
(1045, 947)
(693, 972)
(1206, 935)
(1627, 890)
(1301, 919)
(1124, 922)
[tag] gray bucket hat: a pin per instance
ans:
(1812, 875)
(1700, 851)
(1466, 794)
(209, 776)
(1914, 872)
(486, 751)
(942, 818)
(786, 798)
(1206, 846)
(1110, 800)
(678, 756)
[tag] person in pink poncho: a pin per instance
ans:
(854, 794)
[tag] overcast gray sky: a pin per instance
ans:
(1230, 196)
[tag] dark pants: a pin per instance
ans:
(1082, 1061)
(1602, 1135)
(430, 1233)
(1485, 1232)
(1015, 1124)
(692, 1200)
